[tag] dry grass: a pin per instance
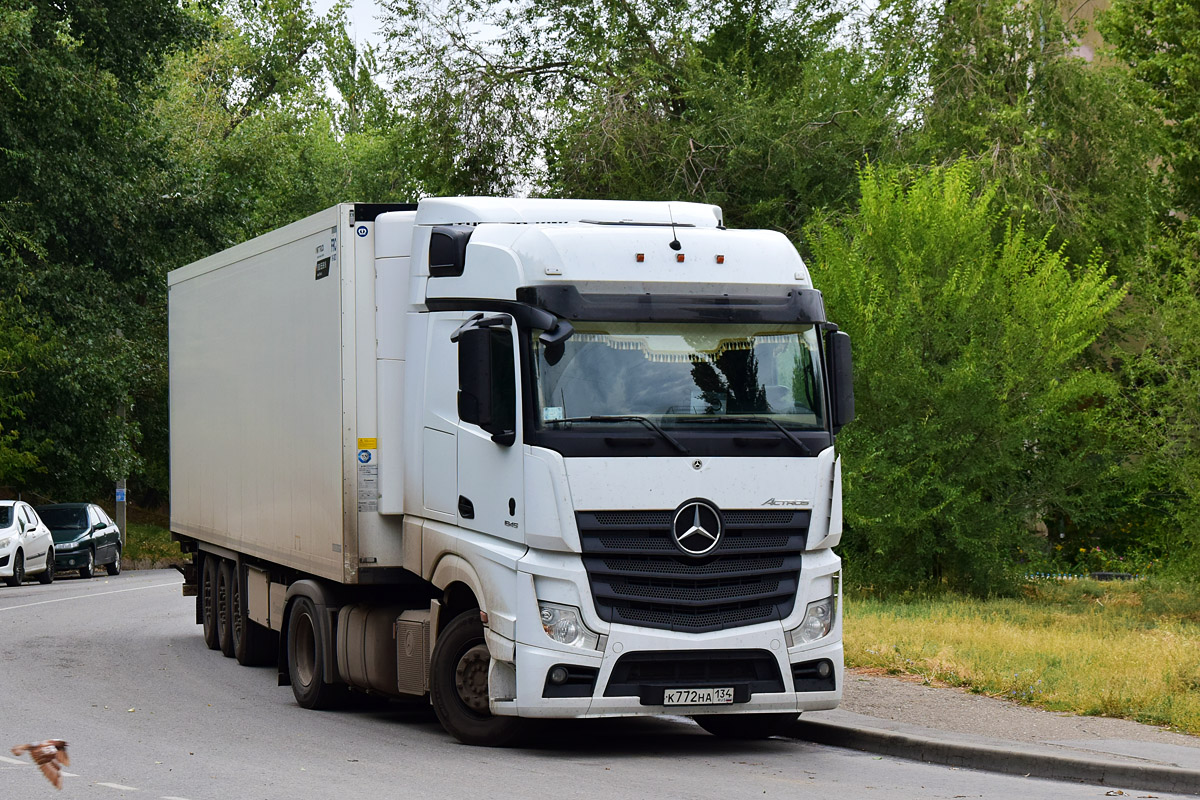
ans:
(1107, 649)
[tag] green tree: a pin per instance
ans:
(1070, 145)
(1157, 355)
(1159, 40)
(74, 152)
(974, 406)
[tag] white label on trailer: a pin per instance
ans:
(368, 476)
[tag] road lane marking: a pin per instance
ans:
(89, 596)
(119, 786)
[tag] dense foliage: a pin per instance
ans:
(975, 198)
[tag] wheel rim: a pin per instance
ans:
(117, 562)
(304, 642)
(471, 679)
(91, 563)
(19, 568)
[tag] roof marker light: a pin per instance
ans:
(679, 258)
(720, 259)
(641, 257)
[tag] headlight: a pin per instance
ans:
(818, 620)
(63, 547)
(5, 542)
(564, 625)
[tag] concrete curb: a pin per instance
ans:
(1012, 760)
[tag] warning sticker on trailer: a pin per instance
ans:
(368, 478)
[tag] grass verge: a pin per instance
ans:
(149, 546)
(1129, 650)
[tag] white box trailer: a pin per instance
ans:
(274, 440)
(531, 458)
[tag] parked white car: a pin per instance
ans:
(26, 546)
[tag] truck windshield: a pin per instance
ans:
(679, 375)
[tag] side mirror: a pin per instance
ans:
(487, 392)
(837, 346)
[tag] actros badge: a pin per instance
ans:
(696, 527)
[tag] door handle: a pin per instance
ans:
(466, 509)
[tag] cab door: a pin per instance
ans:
(490, 462)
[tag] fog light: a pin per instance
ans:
(558, 675)
(824, 669)
(818, 621)
(563, 625)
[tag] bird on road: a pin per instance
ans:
(50, 756)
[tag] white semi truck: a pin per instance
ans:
(528, 458)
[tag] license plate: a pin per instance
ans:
(697, 697)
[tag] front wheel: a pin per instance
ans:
(459, 686)
(18, 576)
(89, 567)
(115, 567)
(47, 575)
(746, 726)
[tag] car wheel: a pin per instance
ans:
(306, 663)
(88, 569)
(459, 686)
(224, 618)
(253, 644)
(746, 726)
(47, 575)
(18, 576)
(209, 566)
(115, 567)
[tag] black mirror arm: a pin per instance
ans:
(479, 321)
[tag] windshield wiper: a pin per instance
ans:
(796, 440)
(649, 423)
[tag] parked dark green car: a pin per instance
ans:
(85, 538)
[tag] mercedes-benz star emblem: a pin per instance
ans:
(696, 527)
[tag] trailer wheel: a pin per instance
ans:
(459, 686)
(306, 667)
(207, 598)
(746, 726)
(222, 600)
(252, 643)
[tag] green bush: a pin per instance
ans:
(976, 415)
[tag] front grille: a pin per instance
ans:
(646, 674)
(639, 577)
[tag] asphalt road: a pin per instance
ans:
(116, 667)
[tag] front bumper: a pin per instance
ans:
(71, 559)
(637, 698)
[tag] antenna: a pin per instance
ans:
(675, 243)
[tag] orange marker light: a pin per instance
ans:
(641, 257)
(720, 259)
(679, 258)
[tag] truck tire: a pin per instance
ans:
(252, 643)
(306, 666)
(746, 726)
(207, 597)
(223, 599)
(459, 690)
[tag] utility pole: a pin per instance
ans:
(120, 499)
